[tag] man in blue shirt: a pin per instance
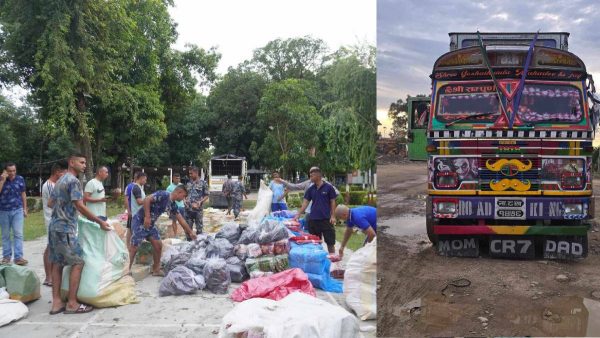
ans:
(143, 223)
(321, 219)
(13, 210)
(279, 193)
(363, 218)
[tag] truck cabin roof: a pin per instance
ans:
(508, 62)
(558, 40)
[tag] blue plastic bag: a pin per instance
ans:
(312, 259)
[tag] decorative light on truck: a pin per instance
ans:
(445, 207)
(450, 172)
(568, 172)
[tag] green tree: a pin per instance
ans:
(296, 58)
(233, 104)
(351, 110)
(397, 113)
(102, 72)
(291, 125)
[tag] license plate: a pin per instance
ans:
(565, 247)
(458, 246)
(512, 247)
(503, 213)
(510, 208)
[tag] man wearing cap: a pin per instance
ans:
(362, 217)
(321, 219)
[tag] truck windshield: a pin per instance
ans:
(550, 103)
(468, 106)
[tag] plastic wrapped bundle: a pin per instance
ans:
(360, 286)
(197, 262)
(217, 276)
(285, 213)
(267, 249)
(272, 231)
(241, 251)
(280, 263)
(238, 272)
(212, 250)
(177, 260)
(254, 250)
(179, 281)
(281, 247)
(168, 254)
(275, 287)
(225, 248)
(312, 259)
(230, 232)
(263, 205)
(200, 282)
(250, 235)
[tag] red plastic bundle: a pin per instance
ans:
(306, 239)
(337, 268)
(274, 287)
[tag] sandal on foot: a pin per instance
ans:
(62, 309)
(158, 273)
(47, 283)
(83, 308)
(21, 261)
(5, 261)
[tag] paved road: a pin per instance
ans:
(183, 316)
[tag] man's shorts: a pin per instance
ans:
(64, 249)
(322, 228)
(139, 233)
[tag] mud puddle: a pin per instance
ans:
(433, 313)
(404, 225)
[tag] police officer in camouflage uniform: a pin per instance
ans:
(197, 195)
(236, 194)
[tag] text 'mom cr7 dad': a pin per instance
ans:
(509, 147)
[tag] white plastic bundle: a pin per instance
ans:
(263, 205)
(360, 281)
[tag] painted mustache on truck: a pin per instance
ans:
(505, 184)
(505, 164)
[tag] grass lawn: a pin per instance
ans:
(34, 223)
(355, 242)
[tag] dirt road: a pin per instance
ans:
(504, 297)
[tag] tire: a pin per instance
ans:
(429, 222)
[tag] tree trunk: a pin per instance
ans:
(83, 134)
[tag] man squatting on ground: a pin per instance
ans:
(143, 223)
(362, 217)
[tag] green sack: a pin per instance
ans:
(21, 282)
(106, 261)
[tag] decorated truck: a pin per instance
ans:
(218, 169)
(509, 147)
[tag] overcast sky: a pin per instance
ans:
(237, 27)
(412, 34)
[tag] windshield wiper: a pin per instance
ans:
(468, 117)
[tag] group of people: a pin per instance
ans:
(319, 204)
(64, 198)
(234, 192)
